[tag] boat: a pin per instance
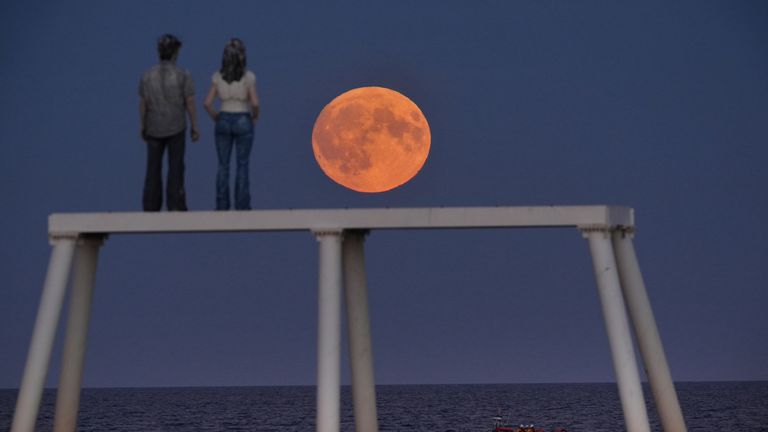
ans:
(500, 426)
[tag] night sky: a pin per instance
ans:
(661, 106)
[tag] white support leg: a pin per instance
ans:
(358, 323)
(619, 336)
(329, 332)
(70, 380)
(39, 356)
(647, 333)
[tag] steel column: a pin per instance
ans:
(41, 345)
(73, 359)
(648, 339)
(617, 325)
(329, 331)
(359, 329)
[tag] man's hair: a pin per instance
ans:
(167, 46)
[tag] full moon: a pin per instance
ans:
(371, 139)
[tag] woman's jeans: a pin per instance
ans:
(233, 129)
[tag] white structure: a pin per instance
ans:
(341, 233)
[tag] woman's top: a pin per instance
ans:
(234, 95)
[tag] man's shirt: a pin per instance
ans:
(165, 88)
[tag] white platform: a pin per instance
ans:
(321, 219)
(77, 237)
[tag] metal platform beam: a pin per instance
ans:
(335, 219)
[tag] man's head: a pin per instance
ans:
(168, 47)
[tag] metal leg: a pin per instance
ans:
(39, 356)
(647, 334)
(70, 381)
(358, 322)
(329, 332)
(619, 337)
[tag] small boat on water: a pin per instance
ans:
(500, 426)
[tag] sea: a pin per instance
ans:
(707, 406)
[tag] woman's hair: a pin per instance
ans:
(233, 60)
(167, 46)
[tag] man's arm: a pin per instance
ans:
(192, 113)
(142, 116)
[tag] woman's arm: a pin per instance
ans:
(254, 99)
(208, 104)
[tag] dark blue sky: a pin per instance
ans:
(660, 106)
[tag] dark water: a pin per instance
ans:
(722, 406)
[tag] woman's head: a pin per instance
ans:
(233, 60)
(168, 46)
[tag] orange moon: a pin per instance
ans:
(371, 139)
